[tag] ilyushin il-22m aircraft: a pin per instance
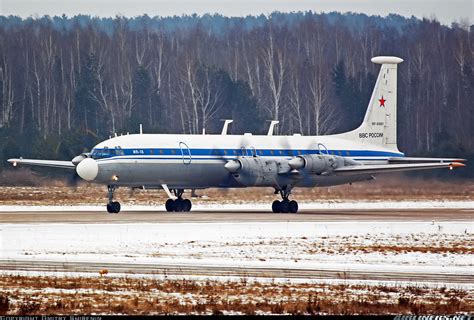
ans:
(176, 162)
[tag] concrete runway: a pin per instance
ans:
(217, 216)
(237, 216)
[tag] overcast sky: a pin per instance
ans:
(446, 11)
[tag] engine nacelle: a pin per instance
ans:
(319, 163)
(256, 171)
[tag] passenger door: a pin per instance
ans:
(185, 153)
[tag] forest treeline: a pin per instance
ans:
(67, 83)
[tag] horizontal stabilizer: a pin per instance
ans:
(43, 163)
(384, 168)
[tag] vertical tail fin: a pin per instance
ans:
(380, 122)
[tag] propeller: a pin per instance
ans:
(73, 179)
(86, 168)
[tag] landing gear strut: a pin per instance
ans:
(112, 206)
(180, 204)
(284, 206)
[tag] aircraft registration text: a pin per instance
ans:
(368, 135)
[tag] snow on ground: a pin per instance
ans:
(213, 206)
(393, 246)
(249, 279)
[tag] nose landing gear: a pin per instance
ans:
(284, 206)
(112, 206)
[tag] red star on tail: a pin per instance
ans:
(382, 102)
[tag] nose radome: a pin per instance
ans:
(87, 169)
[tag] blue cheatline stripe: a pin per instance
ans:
(109, 153)
(180, 159)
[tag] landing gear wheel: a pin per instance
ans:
(276, 206)
(178, 205)
(169, 205)
(285, 206)
(113, 207)
(116, 206)
(187, 205)
(293, 206)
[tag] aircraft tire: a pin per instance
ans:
(285, 206)
(276, 208)
(110, 208)
(293, 206)
(169, 205)
(178, 205)
(116, 206)
(187, 205)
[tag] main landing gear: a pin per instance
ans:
(284, 206)
(179, 204)
(112, 206)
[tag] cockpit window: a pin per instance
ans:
(102, 153)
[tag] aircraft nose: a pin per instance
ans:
(87, 169)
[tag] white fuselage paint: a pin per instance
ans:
(197, 161)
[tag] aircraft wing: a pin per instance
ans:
(423, 160)
(43, 163)
(383, 168)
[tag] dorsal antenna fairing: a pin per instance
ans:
(272, 126)
(226, 125)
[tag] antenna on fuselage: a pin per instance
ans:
(203, 131)
(272, 125)
(115, 134)
(226, 125)
(141, 128)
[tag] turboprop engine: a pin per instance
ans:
(320, 164)
(256, 171)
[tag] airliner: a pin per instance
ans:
(179, 162)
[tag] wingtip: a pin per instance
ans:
(456, 165)
(14, 162)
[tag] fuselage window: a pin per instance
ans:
(118, 151)
(162, 151)
(152, 151)
(272, 152)
(299, 152)
(173, 151)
